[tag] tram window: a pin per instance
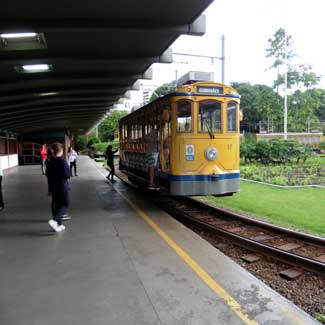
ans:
(184, 116)
(210, 116)
(231, 117)
(125, 132)
(132, 133)
(2, 146)
(121, 133)
(139, 131)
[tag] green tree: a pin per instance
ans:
(304, 101)
(92, 140)
(163, 90)
(248, 95)
(80, 142)
(258, 103)
(303, 106)
(109, 126)
(298, 75)
(320, 110)
(280, 48)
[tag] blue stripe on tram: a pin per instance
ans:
(191, 178)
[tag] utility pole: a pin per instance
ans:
(223, 59)
(285, 127)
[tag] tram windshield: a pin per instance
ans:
(210, 116)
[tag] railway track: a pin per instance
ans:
(306, 291)
(300, 251)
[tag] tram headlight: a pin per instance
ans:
(211, 153)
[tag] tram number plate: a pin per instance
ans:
(189, 152)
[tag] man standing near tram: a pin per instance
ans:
(152, 154)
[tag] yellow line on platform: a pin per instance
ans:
(210, 282)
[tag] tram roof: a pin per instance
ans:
(94, 51)
(232, 93)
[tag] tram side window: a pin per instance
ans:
(231, 117)
(184, 116)
(139, 131)
(210, 116)
(2, 146)
(125, 132)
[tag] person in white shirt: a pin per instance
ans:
(1, 197)
(72, 159)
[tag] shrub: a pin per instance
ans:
(257, 178)
(248, 171)
(263, 150)
(322, 145)
(248, 151)
(305, 181)
(92, 141)
(280, 180)
(275, 151)
(102, 146)
(312, 172)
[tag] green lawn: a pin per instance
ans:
(302, 209)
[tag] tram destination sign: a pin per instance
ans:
(210, 90)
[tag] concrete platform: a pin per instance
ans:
(118, 263)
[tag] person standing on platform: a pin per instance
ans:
(110, 163)
(152, 154)
(1, 197)
(58, 174)
(43, 154)
(72, 158)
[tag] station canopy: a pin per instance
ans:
(77, 58)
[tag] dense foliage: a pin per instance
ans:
(109, 126)
(80, 142)
(102, 146)
(322, 145)
(261, 103)
(312, 172)
(275, 151)
(92, 140)
(258, 103)
(163, 90)
(281, 162)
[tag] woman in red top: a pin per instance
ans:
(43, 158)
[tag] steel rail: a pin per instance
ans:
(265, 249)
(250, 244)
(259, 223)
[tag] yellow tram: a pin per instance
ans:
(196, 137)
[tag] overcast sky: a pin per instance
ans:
(247, 25)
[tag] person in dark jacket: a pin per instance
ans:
(58, 174)
(1, 197)
(110, 163)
